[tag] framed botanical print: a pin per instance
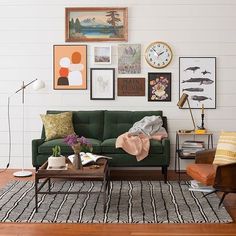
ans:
(197, 78)
(159, 87)
(69, 67)
(102, 83)
(129, 59)
(85, 24)
(102, 55)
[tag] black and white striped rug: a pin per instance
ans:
(127, 202)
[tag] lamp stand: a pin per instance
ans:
(191, 114)
(23, 173)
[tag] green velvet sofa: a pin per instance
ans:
(102, 127)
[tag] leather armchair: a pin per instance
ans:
(221, 177)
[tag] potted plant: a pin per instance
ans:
(56, 160)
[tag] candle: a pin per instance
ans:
(202, 108)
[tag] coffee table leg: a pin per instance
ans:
(104, 195)
(36, 194)
(49, 185)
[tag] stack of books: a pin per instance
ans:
(190, 147)
(197, 186)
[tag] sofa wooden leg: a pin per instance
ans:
(164, 172)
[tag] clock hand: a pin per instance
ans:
(160, 53)
(155, 51)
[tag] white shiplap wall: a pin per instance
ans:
(30, 28)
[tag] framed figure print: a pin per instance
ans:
(85, 24)
(102, 54)
(159, 87)
(102, 83)
(69, 67)
(129, 59)
(197, 78)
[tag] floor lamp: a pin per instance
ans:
(181, 103)
(37, 84)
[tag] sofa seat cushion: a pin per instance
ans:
(46, 147)
(204, 173)
(109, 146)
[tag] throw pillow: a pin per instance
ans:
(226, 149)
(57, 125)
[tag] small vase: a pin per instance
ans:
(77, 160)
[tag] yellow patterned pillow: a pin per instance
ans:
(226, 149)
(57, 125)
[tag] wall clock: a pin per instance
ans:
(158, 54)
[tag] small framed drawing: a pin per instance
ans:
(96, 24)
(131, 87)
(102, 54)
(69, 67)
(129, 59)
(197, 78)
(159, 87)
(102, 83)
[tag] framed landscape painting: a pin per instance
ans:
(197, 78)
(102, 83)
(129, 59)
(159, 87)
(96, 24)
(69, 67)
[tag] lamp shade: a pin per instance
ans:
(38, 84)
(182, 100)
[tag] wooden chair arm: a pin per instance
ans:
(225, 178)
(205, 157)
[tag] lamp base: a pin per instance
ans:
(22, 173)
(185, 131)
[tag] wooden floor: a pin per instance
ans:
(21, 229)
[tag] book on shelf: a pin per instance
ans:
(190, 144)
(199, 187)
(88, 157)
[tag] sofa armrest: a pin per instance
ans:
(166, 145)
(205, 157)
(35, 144)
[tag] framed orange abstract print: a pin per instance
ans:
(69, 67)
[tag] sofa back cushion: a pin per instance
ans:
(119, 122)
(86, 123)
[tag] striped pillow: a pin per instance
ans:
(226, 149)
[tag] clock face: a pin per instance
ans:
(158, 54)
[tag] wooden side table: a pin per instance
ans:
(178, 150)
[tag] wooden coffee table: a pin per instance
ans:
(88, 173)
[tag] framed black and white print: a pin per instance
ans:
(102, 83)
(197, 78)
(159, 87)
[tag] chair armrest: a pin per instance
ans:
(205, 157)
(225, 178)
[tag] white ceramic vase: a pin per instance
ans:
(56, 162)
